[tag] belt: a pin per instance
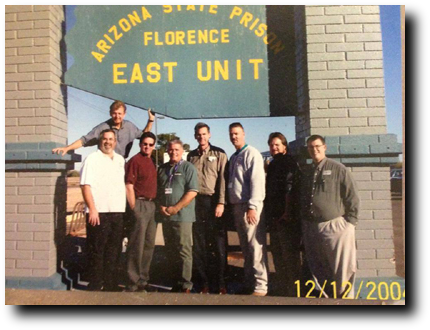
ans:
(145, 199)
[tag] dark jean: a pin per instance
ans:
(209, 249)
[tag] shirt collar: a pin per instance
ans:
(239, 151)
(321, 164)
(204, 151)
(114, 154)
(111, 124)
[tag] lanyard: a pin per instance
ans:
(171, 174)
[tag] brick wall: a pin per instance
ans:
(374, 234)
(344, 70)
(35, 116)
(35, 101)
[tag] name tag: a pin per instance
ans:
(168, 191)
(178, 174)
(211, 158)
(230, 185)
(327, 172)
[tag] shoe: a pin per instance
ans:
(223, 290)
(205, 290)
(132, 288)
(186, 291)
(149, 288)
(114, 288)
(94, 287)
(259, 294)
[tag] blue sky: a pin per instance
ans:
(95, 109)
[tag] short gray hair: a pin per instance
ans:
(175, 141)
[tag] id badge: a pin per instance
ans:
(168, 191)
(230, 185)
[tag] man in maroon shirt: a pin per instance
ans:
(141, 189)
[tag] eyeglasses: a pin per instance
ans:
(315, 147)
(148, 144)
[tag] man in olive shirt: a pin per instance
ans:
(177, 188)
(209, 233)
(330, 210)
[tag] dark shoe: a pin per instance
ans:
(149, 288)
(132, 288)
(223, 290)
(94, 287)
(114, 288)
(205, 290)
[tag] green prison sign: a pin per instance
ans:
(184, 61)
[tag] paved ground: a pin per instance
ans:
(41, 297)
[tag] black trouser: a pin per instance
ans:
(104, 243)
(285, 247)
(209, 249)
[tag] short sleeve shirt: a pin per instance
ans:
(124, 136)
(181, 181)
(105, 176)
(141, 173)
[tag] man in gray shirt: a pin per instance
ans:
(246, 192)
(126, 132)
(330, 211)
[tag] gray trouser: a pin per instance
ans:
(178, 238)
(331, 254)
(252, 240)
(141, 242)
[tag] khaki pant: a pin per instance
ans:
(252, 240)
(331, 255)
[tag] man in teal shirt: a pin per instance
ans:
(177, 188)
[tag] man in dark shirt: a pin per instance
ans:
(282, 215)
(141, 189)
(330, 213)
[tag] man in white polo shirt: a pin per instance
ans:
(103, 188)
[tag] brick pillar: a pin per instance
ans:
(340, 93)
(36, 121)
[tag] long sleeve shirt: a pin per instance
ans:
(330, 192)
(246, 183)
(210, 165)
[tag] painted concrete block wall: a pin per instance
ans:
(35, 115)
(341, 72)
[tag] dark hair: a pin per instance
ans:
(278, 135)
(108, 130)
(315, 137)
(148, 135)
(116, 105)
(236, 124)
(201, 125)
